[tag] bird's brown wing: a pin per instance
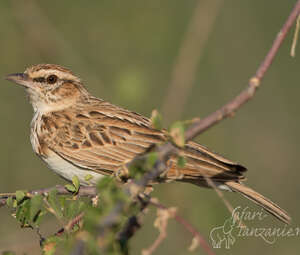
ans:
(102, 137)
(99, 137)
(201, 163)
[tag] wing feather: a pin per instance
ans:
(98, 139)
(102, 137)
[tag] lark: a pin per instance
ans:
(78, 134)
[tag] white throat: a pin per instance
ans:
(44, 108)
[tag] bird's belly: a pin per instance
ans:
(67, 170)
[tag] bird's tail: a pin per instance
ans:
(259, 199)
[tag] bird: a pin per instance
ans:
(77, 134)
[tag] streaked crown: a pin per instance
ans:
(43, 71)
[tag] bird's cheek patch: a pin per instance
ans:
(66, 90)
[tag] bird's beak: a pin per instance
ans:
(19, 78)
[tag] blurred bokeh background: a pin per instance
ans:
(184, 58)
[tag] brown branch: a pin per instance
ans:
(133, 223)
(231, 107)
(84, 191)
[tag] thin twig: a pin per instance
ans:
(191, 49)
(70, 224)
(52, 211)
(295, 38)
(219, 193)
(187, 226)
(225, 201)
(161, 222)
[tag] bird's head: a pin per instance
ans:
(50, 87)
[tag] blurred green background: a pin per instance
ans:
(127, 52)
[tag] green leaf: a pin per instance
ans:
(62, 200)
(23, 213)
(8, 253)
(139, 167)
(151, 159)
(76, 183)
(104, 182)
(181, 161)
(20, 194)
(15, 203)
(74, 208)
(177, 133)
(53, 202)
(39, 216)
(36, 203)
(88, 177)
(156, 119)
(10, 202)
(70, 187)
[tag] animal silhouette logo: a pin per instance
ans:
(222, 234)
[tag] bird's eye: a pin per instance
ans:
(51, 79)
